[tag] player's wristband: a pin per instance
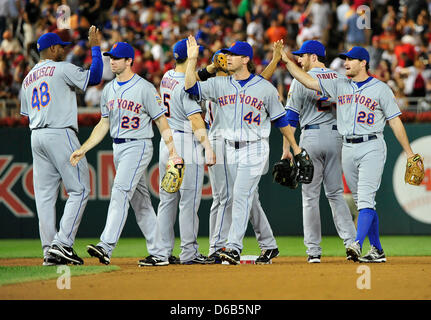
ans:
(204, 74)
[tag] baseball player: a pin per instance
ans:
(191, 141)
(128, 106)
(246, 106)
(220, 212)
(364, 104)
(48, 99)
(319, 136)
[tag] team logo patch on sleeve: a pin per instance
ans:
(159, 99)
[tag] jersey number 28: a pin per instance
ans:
(40, 97)
(364, 117)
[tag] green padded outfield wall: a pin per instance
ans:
(403, 209)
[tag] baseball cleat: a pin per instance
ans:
(267, 255)
(313, 259)
(67, 253)
(373, 256)
(173, 260)
(354, 251)
(216, 256)
(200, 259)
(98, 252)
(231, 256)
(53, 261)
(152, 261)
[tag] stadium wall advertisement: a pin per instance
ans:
(402, 208)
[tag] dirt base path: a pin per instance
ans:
(291, 278)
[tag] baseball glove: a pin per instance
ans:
(305, 167)
(173, 177)
(285, 173)
(220, 61)
(414, 170)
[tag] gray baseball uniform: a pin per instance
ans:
(179, 107)
(362, 112)
(48, 98)
(131, 107)
(319, 136)
(246, 110)
(221, 208)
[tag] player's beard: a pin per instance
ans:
(352, 72)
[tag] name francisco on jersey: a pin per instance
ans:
(38, 74)
(232, 99)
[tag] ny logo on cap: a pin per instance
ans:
(114, 46)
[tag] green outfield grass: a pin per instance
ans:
(332, 246)
(9, 275)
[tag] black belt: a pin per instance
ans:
(316, 126)
(238, 144)
(122, 140)
(361, 139)
(178, 131)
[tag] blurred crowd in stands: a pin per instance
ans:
(396, 33)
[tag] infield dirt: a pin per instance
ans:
(287, 278)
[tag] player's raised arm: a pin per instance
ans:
(96, 68)
(192, 56)
(299, 74)
(97, 135)
(276, 57)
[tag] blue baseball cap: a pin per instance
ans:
(50, 39)
(180, 49)
(240, 48)
(311, 47)
(356, 53)
(121, 50)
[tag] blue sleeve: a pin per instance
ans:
(281, 122)
(96, 68)
(193, 91)
(290, 118)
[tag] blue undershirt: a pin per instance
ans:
(244, 82)
(361, 83)
(124, 82)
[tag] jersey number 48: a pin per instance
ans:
(40, 96)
